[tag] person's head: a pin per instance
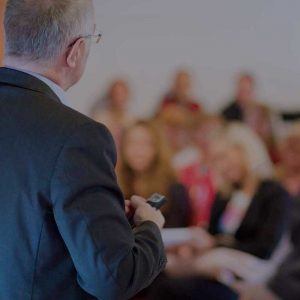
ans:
(245, 88)
(205, 130)
(50, 37)
(118, 95)
(144, 156)
(175, 122)
(182, 83)
(231, 162)
(290, 151)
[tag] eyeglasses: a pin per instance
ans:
(94, 38)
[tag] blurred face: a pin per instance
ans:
(245, 90)
(229, 163)
(206, 134)
(139, 149)
(119, 96)
(177, 137)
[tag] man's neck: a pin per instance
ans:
(34, 68)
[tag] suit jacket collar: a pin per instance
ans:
(26, 81)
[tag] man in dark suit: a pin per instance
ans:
(63, 229)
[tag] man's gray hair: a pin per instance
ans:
(41, 30)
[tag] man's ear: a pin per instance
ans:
(75, 53)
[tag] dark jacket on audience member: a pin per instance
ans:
(286, 282)
(264, 223)
(63, 231)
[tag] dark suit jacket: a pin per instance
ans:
(264, 223)
(63, 230)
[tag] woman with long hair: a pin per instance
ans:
(145, 169)
(249, 212)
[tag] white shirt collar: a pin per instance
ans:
(59, 92)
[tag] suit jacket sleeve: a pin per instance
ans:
(112, 261)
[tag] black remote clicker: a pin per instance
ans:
(157, 200)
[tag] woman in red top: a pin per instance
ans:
(197, 176)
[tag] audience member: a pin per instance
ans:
(256, 115)
(197, 176)
(175, 122)
(181, 94)
(145, 169)
(113, 109)
(249, 214)
(259, 159)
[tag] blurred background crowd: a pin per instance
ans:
(232, 179)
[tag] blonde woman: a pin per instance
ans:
(249, 213)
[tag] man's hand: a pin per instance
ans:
(127, 208)
(144, 212)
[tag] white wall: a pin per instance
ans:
(147, 40)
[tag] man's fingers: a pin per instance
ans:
(137, 201)
(127, 206)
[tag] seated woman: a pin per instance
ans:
(145, 169)
(249, 215)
